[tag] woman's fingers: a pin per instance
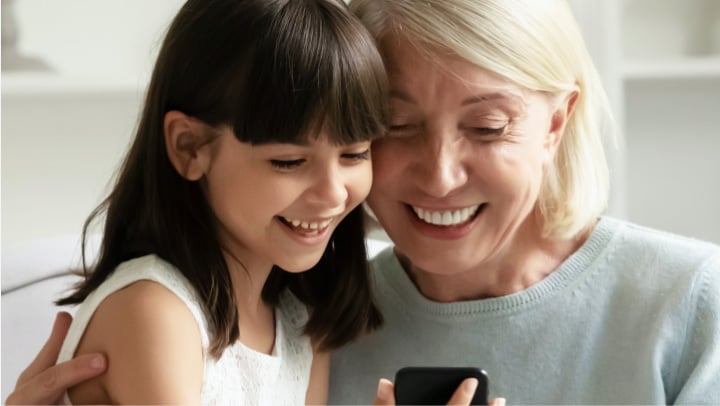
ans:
(48, 386)
(43, 382)
(49, 352)
(385, 393)
(497, 402)
(464, 393)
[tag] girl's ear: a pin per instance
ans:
(186, 142)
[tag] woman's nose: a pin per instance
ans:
(440, 169)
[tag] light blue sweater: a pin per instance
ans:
(633, 317)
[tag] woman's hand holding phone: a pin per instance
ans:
(463, 395)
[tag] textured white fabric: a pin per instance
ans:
(241, 375)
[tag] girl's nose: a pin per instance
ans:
(328, 188)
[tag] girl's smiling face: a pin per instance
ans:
(278, 204)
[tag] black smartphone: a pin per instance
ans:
(436, 385)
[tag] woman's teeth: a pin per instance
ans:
(306, 225)
(447, 217)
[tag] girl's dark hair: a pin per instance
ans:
(274, 71)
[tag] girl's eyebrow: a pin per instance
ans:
(275, 145)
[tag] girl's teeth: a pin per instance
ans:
(446, 217)
(305, 225)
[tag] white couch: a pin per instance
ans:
(35, 274)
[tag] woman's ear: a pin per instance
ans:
(186, 143)
(559, 120)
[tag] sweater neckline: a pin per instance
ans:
(582, 262)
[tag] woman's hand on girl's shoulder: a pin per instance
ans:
(43, 382)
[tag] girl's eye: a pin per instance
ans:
(286, 164)
(400, 127)
(358, 156)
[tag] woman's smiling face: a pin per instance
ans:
(458, 175)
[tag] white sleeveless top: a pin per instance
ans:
(241, 376)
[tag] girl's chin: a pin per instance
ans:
(301, 263)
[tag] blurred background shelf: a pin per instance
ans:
(670, 58)
(660, 61)
(699, 67)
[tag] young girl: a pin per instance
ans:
(233, 242)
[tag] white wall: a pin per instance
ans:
(673, 143)
(58, 154)
(93, 37)
(64, 131)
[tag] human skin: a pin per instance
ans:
(467, 151)
(43, 382)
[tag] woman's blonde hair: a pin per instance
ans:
(537, 45)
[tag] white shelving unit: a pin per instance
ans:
(698, 67)
(660, 60)
(670, 78)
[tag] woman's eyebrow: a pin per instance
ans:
(398, 94)
(480, 98)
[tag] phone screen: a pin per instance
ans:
(436, 385)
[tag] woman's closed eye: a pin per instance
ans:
(487, 130)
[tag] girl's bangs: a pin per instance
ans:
(314, 72)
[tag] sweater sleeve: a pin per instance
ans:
(698, 379)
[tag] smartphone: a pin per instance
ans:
(436, 385)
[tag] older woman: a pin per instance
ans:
(491, 183)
